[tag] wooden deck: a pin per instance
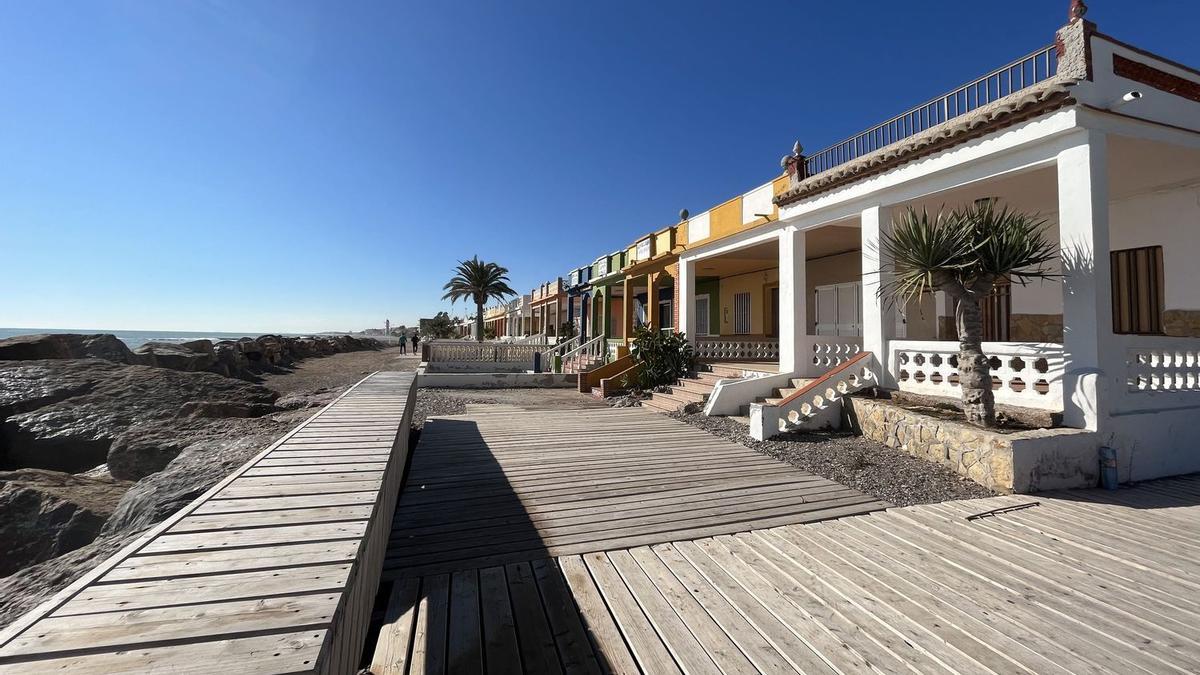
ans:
(492, 488)
(273, 570)
(1086, 582)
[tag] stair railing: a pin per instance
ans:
(594, 349)
(818, 402)
(558, 350)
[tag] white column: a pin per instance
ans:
(878, 320)
(1088, 341)
(795, 349)
(687, 299)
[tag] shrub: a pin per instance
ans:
(664, 357)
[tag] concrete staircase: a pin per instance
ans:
(695, 388)
(581, 363)
(776, 397)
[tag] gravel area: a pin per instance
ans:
(853, 461)
(433, 401)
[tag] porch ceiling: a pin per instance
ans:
(820, 243)
(1136, 166)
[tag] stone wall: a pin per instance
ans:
(1021, 328)
(1181, 322)
(1025, 461)
(1035, 328)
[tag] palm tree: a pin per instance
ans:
(965, 253)
(478, 282)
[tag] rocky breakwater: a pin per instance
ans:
(244, 359)
(95, 447)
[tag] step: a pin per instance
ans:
(660, 405)
(722, 371)
(681, 397)
(695, 386)
(740, 419)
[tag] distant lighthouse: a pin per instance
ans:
(387, 326)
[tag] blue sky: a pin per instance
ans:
(304, 166)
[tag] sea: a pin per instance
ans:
(136, 338)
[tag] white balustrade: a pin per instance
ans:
(487, 352)
(830, 351)
(720, 349)
(1162, 364)
(1023, 374)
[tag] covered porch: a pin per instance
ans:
(737, 309)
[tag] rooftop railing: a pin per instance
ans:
(1020, 74)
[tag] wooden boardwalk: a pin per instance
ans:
(1085, 582)
(492, 488)
(273, 570)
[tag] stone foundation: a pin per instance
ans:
(1035, 328)
(1022, 328)
(1025, 461)
(1181, 322)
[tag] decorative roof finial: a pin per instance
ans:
(1076, 11)
(793, 164)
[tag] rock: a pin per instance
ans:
(230, 361)
(24, 590)
(197, 468)
(194, 356)
(68, 414)
(44, 514)
(66, 346)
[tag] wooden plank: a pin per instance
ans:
(272, 518)
(130, 596)
(464, 650)
(191, 622)
(533, 631)
(501, 649)
(573, 648)
(256, 537)
(609, 648)
(429, 637)
(753, 644)
(652, 655)
(293, 652)
(665, 599)
(394, 644)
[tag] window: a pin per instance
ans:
(997, 310)
(701, 315)
(666, 314)
(643, 250)
(1137, 290)
(741, 313)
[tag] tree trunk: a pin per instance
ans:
(974, 371)
(479, 322)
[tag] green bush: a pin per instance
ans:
(664, 357)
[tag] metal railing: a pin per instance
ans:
(558, 350)
(1020, 74)
(595, 349)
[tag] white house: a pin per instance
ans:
(1100, 138)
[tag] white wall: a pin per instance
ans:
(1106, 89)
(1171, 220)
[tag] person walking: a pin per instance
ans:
(416, 339)
(403, 344)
